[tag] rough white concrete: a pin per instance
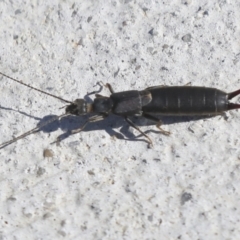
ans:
(96, 186)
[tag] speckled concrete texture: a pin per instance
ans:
(105, 183)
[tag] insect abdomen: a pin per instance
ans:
(186, 100)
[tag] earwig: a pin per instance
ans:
(158, 100)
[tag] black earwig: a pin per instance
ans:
(160, 100)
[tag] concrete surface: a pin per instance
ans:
(104, 183)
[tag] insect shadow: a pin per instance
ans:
(109, 125)
(71, 122)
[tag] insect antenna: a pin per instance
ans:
(27, 85)
(32, 131)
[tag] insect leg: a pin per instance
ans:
(95, 118)
(157, 121)
(109, 86)
(138, 129)
(96, 92)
